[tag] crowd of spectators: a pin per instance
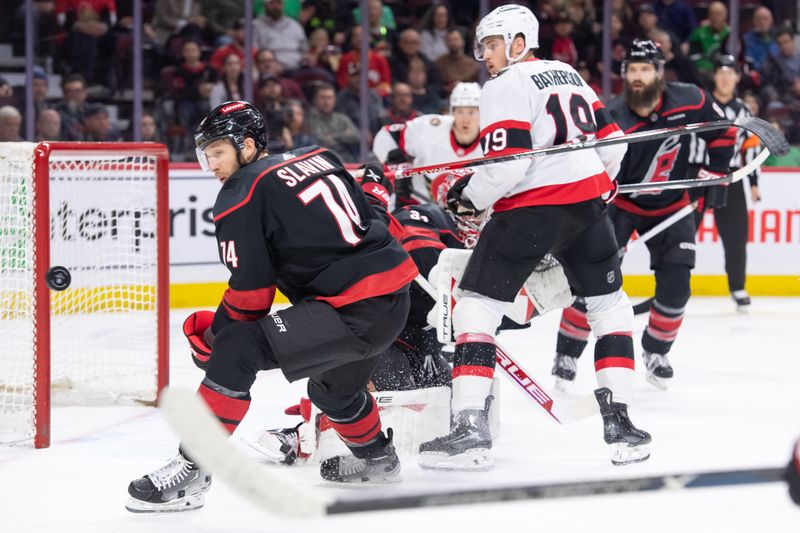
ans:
(306, 60)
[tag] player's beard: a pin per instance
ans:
(645, 98)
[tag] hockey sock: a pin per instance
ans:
(573, 332)
(662, 328)
(227, 405)
(614, 364)
(473, 370)
(361, 430)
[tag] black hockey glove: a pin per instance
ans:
(377, 183)
(457, 203)
(715, 196)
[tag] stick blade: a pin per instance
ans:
(772, 138)
(205, 440)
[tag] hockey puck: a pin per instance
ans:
(58, 278)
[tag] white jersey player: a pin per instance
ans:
(432, 140)
(546, 204)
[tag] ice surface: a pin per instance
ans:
(735, 403)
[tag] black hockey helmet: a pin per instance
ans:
(235, 121)
(725, 60)
(644, 51)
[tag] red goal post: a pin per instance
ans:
(102, 211)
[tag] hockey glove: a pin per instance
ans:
(377, 183)
(459, 204)
(194, 327)
(716, 195)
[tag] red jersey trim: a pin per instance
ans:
(559, 194)
(411, 231)
(258, 178)
(457, 147)
(248, 305)
(608, 130)
(473, 370)
(626, 205)
(507, 124)
(687, 107)
(373, 285)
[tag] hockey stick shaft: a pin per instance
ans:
(563, 490)
(658, 228)
(733, 177)
(772, 138)
(563, 412)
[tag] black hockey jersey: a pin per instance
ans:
(667, 159)
(299, 223)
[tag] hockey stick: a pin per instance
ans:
(203, 437)
(733, 177)
(773, 140)
(562, 411)
(658, 228)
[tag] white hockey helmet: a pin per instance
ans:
(465, 94)
(507, 22)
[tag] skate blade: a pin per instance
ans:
(624, 454)
(563, 385)
(270, 455)
(475, 460)
(389, 477)
(659, 383)
(743, 309)
(187, 503)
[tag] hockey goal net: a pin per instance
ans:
(101, 211)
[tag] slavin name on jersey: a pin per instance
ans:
(297, 172)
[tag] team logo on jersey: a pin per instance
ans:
(435, 121)
(663, 163)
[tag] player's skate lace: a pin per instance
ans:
(171, 474)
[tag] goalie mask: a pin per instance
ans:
(235, 121)
(469, 227)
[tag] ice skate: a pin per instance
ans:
(177, 486)
(467, 446)
(659, 371)
(279, 446)
(565, 368)
(626, 443)
(742, 300)
(378, 464)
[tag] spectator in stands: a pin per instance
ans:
(408, 50)
(379, 75)
(646, 21)
(563, 48)
(191, 87)
(97, 125)
(48, 126)
(281, 34)
(708, 40)
(270, 94)
(10, 124)
(72, 108)
(6, 90)
(588, 76)
(401, 108)
(434, 27)
(235, 45)
(91, 21)
(348, 101)
(321, 54)
(223, 16)
(149, 129)
(231, 83)
(677, 66)
(677, 17)
(171, 16)
(296, 122)
(759, 42)
(624, 11)
(782, 69)
(40, 87)
(456, 66)
(382, 26)
(332, 129)
(423, 99)
(267, 64)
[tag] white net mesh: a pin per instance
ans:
(104, 345)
